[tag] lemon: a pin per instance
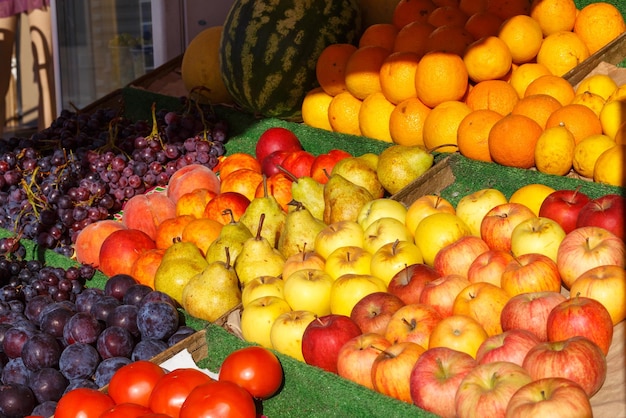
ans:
(612, 116)
(587, 152)
(600, 84)
(593, 101)
(620, 135)
(374, 117)
(618, 94)
(315, 109)
(554, 151)
(531, 195)
(609, 168)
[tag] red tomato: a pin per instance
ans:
(218, 400)
(126, 410)
(84, 403)
(133, 383)
(172, 389)
(255, 369)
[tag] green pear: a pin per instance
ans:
(343, 199)
(301, 228)
(232, 236)
(213, 292)
(258, 257)
(310, 193)
(400, 165)
(180, 262)
(360, 172)
(274, 216)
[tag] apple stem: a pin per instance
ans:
(394, 246)
(411, 324)
(543, 395)
(326, 172)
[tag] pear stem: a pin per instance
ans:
(287, 172)
(260, 227)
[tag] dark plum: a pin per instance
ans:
(15, 338)
(53, 320)
(125, 316)
(107, 368)
(82, 327)
(45, 409)
(15, 372)
(115, 342)
(79, 361)
(135, 294)
(85, 300)
(158, 296)
(42, 350)
(81, 383)
(16, 400)
(102, 308)
(157, 320)
(146, 349)
(47, 384)
(180, 334)
(118, 284)
(34, 307)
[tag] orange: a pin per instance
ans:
(412, 37)
(487, 59)
(376, 11)
(483, 24)
(449, 38)
(397, 76)
(496, 95)
(471, 7)
(538, 107)
(330, 67)
(554, 15)
(202, 232)
(597, 24)
(441, 3)
(447, 15)
(578, 119)
(552, 85)
(473, 134)
(522, 34)
(363, 69)
(523, 75)
(512, 141)
(406, 122)
(620, 135)
(562, 51)
(343, 114)
(408, 11)
(374, 117)
(379, 34)
(441, 125)
(440, 76)
(315, 109)
(506, 9)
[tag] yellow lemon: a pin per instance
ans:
(609, 167)
(554, 151)
(618, 94)
(612, 116)
(600, 84)
(374, 117)
(315, 109)
(593, 101)
(620, 135)
(531, 195)
(587, 152)
(343, 114)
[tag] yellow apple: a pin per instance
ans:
(437, 231)
(381, 208)
(473, 207)
(258, 317)
(537, 235)
(339, 234)
(458, 332)
(309, 290)
(424, 206)
(307, 259)
(345, 260)
(484, 302)
(287, 330)
(383, 231)
(262, 286)
(393, 257)
(348, 289)
(607, 285)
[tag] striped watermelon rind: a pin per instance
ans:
(269, 49)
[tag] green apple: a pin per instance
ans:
(262, 286)
(338, 234)
(381, 208)
(436, 231)
(257, 319)
(537, 235)
(383, 231)
(345, 260)
(309, 290)
(348, 289)
(393, 257)
(473, 207)
(287, 330)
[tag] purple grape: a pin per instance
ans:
(47, 384)
(41, 351)
(107, 368)
(16, 400)
(79, 361)
(148, 348)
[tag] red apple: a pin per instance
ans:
(441, 293)
(607, 285)
(530, 272)
(584, 317)
(323, 164)
(489, 266)
(585, 248)
(486, 390)
(564, 206)
(605, 211)
(436, 377)
(275, 139)
(298, 163)
(391, 370)
(456, 258)
(357, 355)
(409, 282)
(577, 358)
(550, 397)
(324, 337)
(373, 311)
(499, 222)
(413, 322)
(530, 311)
(511, 345)
(269, 164)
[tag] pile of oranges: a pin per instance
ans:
(484, 78)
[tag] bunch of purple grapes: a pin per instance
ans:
(84, 167)
(56, 334)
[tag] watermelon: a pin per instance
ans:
(269, 49)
